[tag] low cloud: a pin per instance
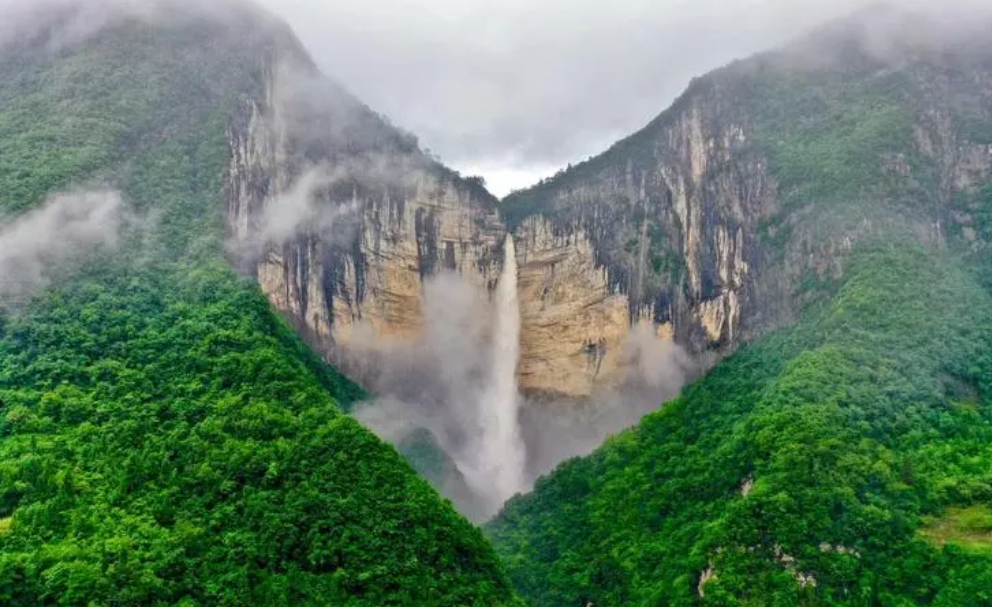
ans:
(307, 206)
(513, 87)
(326, 201)
(510, 87)
(654, 370)
(35, 246)
(438, 383)
(329, 155)
(59, 24)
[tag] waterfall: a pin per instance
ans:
(460, 384)
(500, 454)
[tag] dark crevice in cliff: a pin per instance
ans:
(425, 232)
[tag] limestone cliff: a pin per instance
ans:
(349, 274)
(659, 230)
(588, 272)
(700, 224)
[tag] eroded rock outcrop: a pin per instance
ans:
(685, 225)
(662, 228)
(350, 272)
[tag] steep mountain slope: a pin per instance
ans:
(165, 438)
(839, 189)
(799, 471)
(702, 222)
(365, 218)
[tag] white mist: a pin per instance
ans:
(459, 382)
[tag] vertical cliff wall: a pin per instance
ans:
(699, 224)
(379, 217)
(662, 228)
(668, 241)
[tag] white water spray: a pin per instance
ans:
(500, 457)
(458, 382)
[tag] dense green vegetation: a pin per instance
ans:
(847, 459)
(869, 415)
(165, 438)
(825, 132)
(163, 441)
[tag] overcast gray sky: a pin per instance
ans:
(515, 89)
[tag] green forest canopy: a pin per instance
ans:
(165, 438)
(831, 450)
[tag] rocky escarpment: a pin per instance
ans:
(350, 273)
(702, 222)
(660, 230)
(365, 217)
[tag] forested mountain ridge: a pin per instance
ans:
(703, 221)
(836, 193)
(165, 437)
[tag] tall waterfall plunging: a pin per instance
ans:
(450, 400)
(501, 456)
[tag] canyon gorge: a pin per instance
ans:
(634, 271)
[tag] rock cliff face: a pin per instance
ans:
(611, 252)
(573, 324)
(376, 221)
(694, 223)
(697, 224)
(659, 229)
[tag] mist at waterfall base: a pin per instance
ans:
(451, 402)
